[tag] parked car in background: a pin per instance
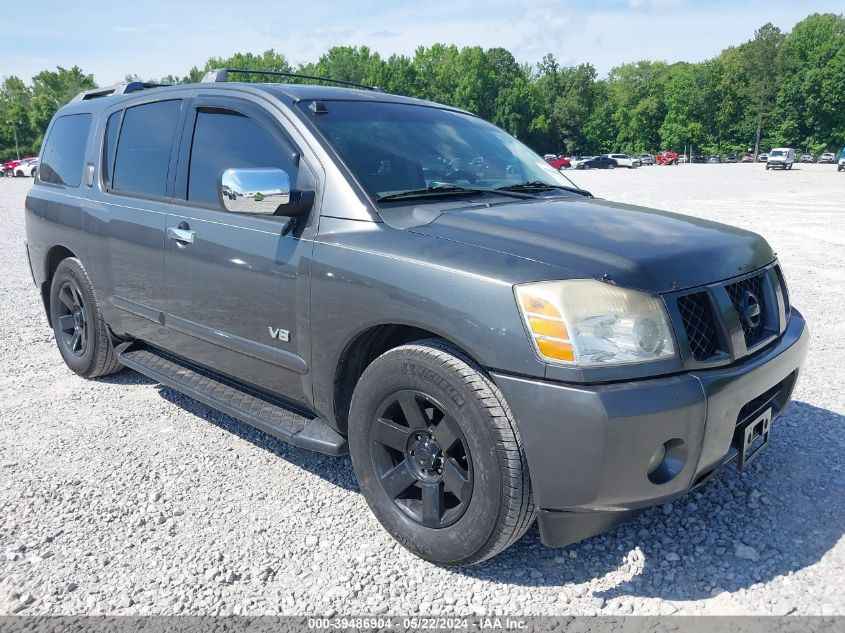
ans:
(763, 158)
(781, 157)
(747, 158)
(731, 158)
(646, 159)
(624, 160)
(828, 158)
(598, 162)
(698, 158)
(808, 158)
(667, 158)
(682, 159)
(559, 162)
(714, 158)
(576, 161)
(9, 168)
(840, 166)
(27, 168)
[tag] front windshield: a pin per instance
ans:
(393, 148)
(776, 153)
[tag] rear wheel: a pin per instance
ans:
(612, 166)
(81, 333)
(438, 456)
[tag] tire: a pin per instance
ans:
(452, 402)
(82, 335)
(767, 166)
(612, 166)
(790, 166)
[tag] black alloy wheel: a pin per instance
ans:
(421, 459)
(73, 322)
(82, 335)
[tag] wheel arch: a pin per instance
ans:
(363, 349)
(55, 256)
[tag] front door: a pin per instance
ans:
(238, 284)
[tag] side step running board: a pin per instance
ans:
(264, 413)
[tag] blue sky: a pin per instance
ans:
(156, 37)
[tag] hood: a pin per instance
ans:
(635, 247)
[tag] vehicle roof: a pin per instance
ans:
(286, 93)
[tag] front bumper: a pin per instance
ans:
(588, 446)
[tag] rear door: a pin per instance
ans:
(237, 294)
(126, 213)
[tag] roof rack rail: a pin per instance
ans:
(219, 75)
(117, 89)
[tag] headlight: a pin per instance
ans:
(590, 323)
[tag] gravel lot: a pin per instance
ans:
(120, 496)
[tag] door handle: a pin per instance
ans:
(183, 236)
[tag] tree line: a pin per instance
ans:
(776, 89)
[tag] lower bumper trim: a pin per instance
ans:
(561, 528)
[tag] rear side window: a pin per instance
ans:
(143, 149)
(224, 140)
(62, 160)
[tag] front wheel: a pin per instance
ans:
(438, 456)
(81, 333)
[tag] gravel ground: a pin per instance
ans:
(120, 496)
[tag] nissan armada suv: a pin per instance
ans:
(491, 344)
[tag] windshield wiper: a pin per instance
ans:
(539, 186)
(445, 190)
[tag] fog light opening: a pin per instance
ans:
(656, 459)
(667, 461)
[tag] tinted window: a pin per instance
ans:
(64, 152)
(143, 150)
(224, 140)
(393, 147)
(112, 128)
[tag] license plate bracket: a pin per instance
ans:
(753, 437)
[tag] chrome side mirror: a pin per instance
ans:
(254, 190)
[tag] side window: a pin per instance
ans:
(110, 144)
(63, 158)
(224, 140)
(143, 149)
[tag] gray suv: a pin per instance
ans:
(355, 271)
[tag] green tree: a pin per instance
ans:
(811, 100)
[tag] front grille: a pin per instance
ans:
(737, 291)
(708, 319)
(698, 321)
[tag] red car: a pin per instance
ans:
(8, 169)
(560, 162)
(667, 158)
